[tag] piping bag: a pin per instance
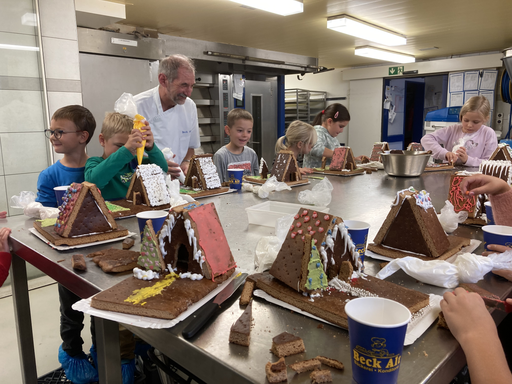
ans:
(126, 105)
(169, 155)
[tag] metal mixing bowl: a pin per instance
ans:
(409, 164)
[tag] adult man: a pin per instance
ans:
(171, 113)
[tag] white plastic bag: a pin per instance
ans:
(472, 268)
(268, 247)
(26, 200)
(173, 187)
(320, 194)
(449, 219)
(126, 105)
(272, 185)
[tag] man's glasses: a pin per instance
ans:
(57, 133)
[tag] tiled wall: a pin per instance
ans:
(24, 108)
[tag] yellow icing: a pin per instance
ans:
(47, 222)
(138, 123)
(142, 294)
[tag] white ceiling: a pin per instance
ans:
(455, 27)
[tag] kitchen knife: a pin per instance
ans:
(208, 310)
(501, 305)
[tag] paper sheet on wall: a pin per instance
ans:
(469, 95)
(471, 79)
(489, 79)
(456, 82)
(238, 87)
(489, 95)
(456, 99)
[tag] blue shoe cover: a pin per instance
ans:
(128, 371)
(77, 368)
(94, 355)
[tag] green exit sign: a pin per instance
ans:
(396, 70)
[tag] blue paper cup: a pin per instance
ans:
(60, 192)
(488, 213)
(376, 328)
(497, 234)
(358, 231)
(235, 178)
(157, 218)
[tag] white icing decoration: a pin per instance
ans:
(324, 257)
(262, 161)
(497, 168)
(191, 276)
(154, 181)
(423, 200)
(165, 232)
(211, 177)
(145, 275)
(192, 240)
(347, 288)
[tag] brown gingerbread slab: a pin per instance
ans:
(54, 238)
(439, 167)
(168, 300)
(259, 180)
(331, 304)
(475, 221)
(326, 171)
(134, 209)
(205, 193)
(456, 244)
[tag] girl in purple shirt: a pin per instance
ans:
(469, 142)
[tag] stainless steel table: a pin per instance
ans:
(435, 357)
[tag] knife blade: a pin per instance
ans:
(208, 310)
(501, 305)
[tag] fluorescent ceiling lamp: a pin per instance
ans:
(281, 7)
(354, 27)
(382, 54)
(18, 47)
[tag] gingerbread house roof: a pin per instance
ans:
(472, 204)
(148, 181)
(286, 167)
(415, 147)
(412, 225)
(83, 212)
(377, 149)
(343, 158)
(314, 235)
(501, 169)
(192, 240)
(502, 152)
(203, 170)
(263, 168)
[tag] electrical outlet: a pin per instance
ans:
(499, 115)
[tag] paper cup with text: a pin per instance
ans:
(60, 192)
(376, 329)
(488, 213)
(358, 231)
(235, 178)
(157, 218)
(497, 234)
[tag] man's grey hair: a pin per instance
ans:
(170, 65)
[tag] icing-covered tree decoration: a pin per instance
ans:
(317, 278)
(150, 256)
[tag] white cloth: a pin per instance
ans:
(177, 128)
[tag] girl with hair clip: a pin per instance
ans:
(328, 123)
(300, 137)
(469, 142)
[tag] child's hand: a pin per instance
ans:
(479, 184)
(451, 157)
(3, 214)
(148, 136)
(496, 248)
(463, 155)
(4, 236)
(305, 171)
(134, 141)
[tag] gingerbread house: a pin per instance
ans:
(313, 251)
(285, 167)
(377, 149)
(343, 159)
(83, 218)
(502, 152)
(415, 147)
(150, 254)
(472, 204)
(263, 169)
(148, 186)
(192, 240)
(202, 173)
(501, 169)
(412, 226)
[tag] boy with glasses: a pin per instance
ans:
(71, 129)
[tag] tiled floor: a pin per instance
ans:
(44, 307)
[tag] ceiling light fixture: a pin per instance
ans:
(354, 27)
(382, 54)
(281, 7)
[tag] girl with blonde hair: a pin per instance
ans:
(300, 137)
(469, 142)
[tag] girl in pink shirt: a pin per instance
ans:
(469, 142)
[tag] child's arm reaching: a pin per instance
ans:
(5, 255)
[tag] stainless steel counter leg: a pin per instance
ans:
(23, 320)
(109, 356)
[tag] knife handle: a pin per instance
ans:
(206, 313)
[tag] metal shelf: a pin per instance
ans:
(205, 102)
(208, 120)
(303, 104)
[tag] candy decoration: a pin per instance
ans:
(296, 217)
(317, 223)
(321, 229)
(300, 231)
(315, 215)
(299, 224)
(310, 228)
(293, 235)
(304, 212)
(306, 219)
(291, 227)
(326, 217)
